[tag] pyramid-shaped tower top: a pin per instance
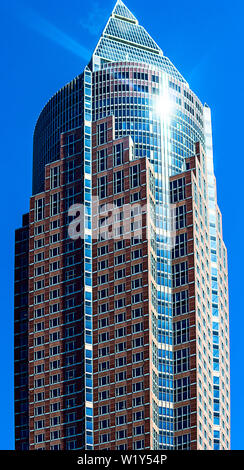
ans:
(121, 11)
(124, 40)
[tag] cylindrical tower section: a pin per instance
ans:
(62, 113)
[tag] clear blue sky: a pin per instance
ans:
(45, 44)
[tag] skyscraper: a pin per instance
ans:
(121, 287)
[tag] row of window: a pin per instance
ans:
(118, 317)
(121, 347)
(120, 361)
(118, 182)
(120, 332)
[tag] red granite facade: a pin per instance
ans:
(121, 298)
(190, 312)
(55, 313)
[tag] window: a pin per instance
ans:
(180, 274)
(120, 347)
(136, 313)
(39, 369)
(177, 190)
(135, 176)
(120, 303)
(138, 401)
(181, 332)
(54, 365)
(135, 197)
(103, 410)
(138, 372)
(138, 357)
(39, 209)
(104, 395)
(39, 257)
(39, 230)
(39, 326)
(102, 294)
(182, 389)
(54, 322)
(70, 144)
(120, 405)
(54, 280)
(70, 171)
(103, 438)
(138, 342)
(136, 283)
(180, 303)
(136, 298)
(39, 411)
(102, 133)
(39, 438)
(55, 238)
(118, 154)
(138, 445)
(39, 299)
(180, 247)
(181, 360)
(119, 202)
(136, 225)
(121, 317)
(138, 430)
(183, 442)
(104, 380)
(102, 250)
(55, 407)
(102, 264)
(103, 308)
(119, 274)
(54, 351)
(54, 294)
(102, 366)
(136, 254)
(55, 224)
(55, 421)
(182, 418)
(55, 177)
(136, 268)
(39, 285)
(119, 288)
(120, 391)
(180, 217)
(119, 245)
(138, 415)
(39, 312)
(120, 332)
(102, 157)
(54, 336)
(118, 181)
(39, 243)
(121, 434)
(103, 337)
(103, 351)
(55, 435)
(54, 204)
(120, 420)
(119, 259)
(104, 424)
(102, 187)
(120, 362)
(54, 308)
(102, 279)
